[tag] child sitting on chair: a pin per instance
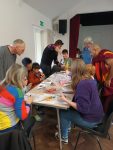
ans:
(27, 63)
(35, 76)
(14, 107)
(86, 108)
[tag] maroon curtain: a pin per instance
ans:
(74, 35)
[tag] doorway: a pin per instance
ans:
(38, 43)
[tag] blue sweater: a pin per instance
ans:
(86, 56)
(88, 101)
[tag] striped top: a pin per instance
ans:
(12, 107)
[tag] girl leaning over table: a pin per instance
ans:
(85, 109)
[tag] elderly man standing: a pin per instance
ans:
(103, 61)
(8, 55)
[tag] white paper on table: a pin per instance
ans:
(47, 82)
(66, 89)
(43, 84)
(60, 77)
(60, 102)
(67, 84)
(37, 97)
(40, 86)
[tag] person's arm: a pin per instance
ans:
(69, 102)
(55, 59)
(82, 101)
(27, 88)
(33, 79)
(109, 62)
(22, 109)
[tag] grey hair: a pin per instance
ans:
(88, 40)
(18, 41)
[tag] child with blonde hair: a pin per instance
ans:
(13, 107)
(91, 70)
(85, 109)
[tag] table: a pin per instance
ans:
(43, 98)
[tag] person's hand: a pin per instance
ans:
(42, 78)
(107, 83)
(29, 100)
(63, 67)
(59, 64)
(67, 72)
(63, 98)
(29, 86)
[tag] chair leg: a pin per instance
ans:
(34, 143)
(109, 136)
(98, 141)
(77, 140)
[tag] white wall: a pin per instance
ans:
(102, 35)
(16, 21)
(87, 6)
(47, 38)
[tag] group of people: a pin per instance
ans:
(86, 108)
(102, 59)
(35, 74)
(14, 109)
(16, 80)
(92, 82)
(50, 54)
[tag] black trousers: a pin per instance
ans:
(46, 70)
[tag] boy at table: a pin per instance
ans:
(35, 76)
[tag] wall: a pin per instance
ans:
(102, 34)
(88, 6)
(16, 21)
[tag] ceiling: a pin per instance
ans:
(52, 8)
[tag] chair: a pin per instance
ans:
(31, 135)
(100, 131)
(30, 129)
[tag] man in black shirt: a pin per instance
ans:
(50, 53)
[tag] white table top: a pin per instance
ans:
(43, 98)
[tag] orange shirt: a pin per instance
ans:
(33, 78)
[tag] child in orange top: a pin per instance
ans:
(35, 76)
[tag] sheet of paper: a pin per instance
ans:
(38, 97)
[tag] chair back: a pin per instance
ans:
(106, 124)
